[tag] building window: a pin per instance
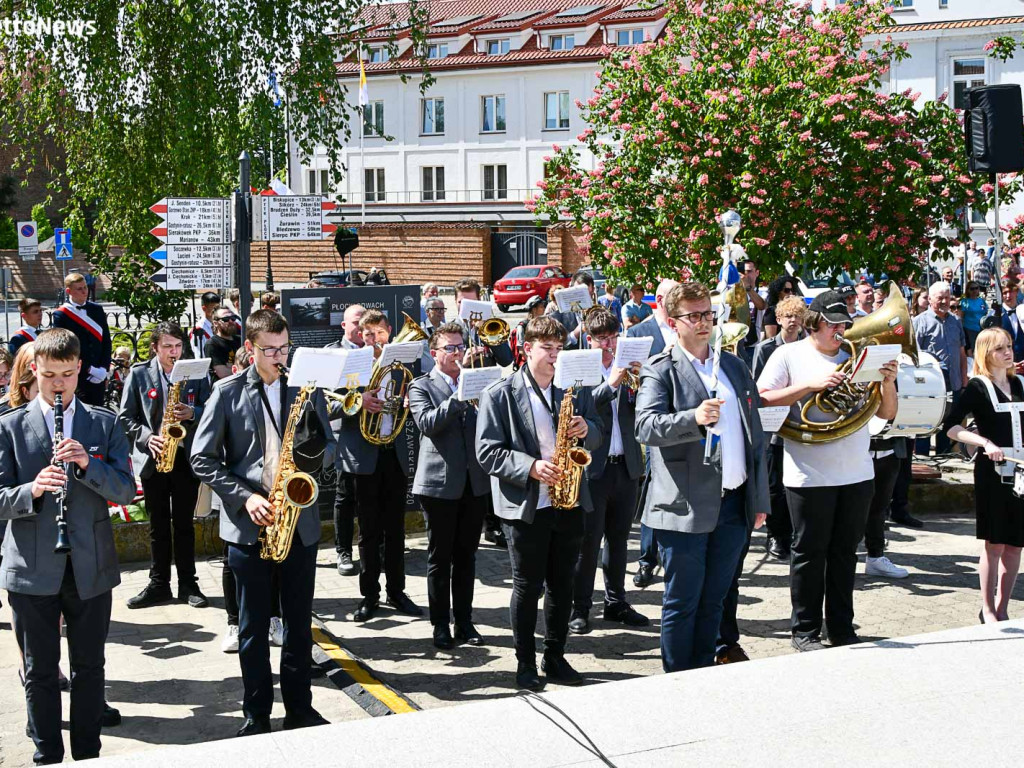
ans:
(967, 73)
(943, 3)
(629, 36)
(373, 118)
(497, 47)
(317, 181)
(373, 185)
(379, 55)
(433, 183)
(437, 50)
(556, 110)
(493, 108)
(495, 182)
(433, 117)
(562, 42)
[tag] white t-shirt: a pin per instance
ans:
(841, 462)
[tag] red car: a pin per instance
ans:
(520, 284)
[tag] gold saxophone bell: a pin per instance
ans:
(171, 430)
(493, 331)
(570, 457)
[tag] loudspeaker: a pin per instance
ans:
(994, 129)
(345, 241)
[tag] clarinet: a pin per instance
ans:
(63, 542)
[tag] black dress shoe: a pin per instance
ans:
(190, 593)
(253, 726)
(559, 670)
(466, 633)
(579, 624)
(443, 637)
(367, 608)
(401, 603)
(307, 719)
(496, 537)
(624, 613)
(804, 644)
(908, 520)
(838, 642)
(111, 717)
(776, 549)
(152, 595)
(644, 576)
(527, 677)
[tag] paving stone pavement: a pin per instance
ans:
(166, 674)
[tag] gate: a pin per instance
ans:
(517, 247)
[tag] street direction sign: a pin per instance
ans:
(202, 256)
(193, 220)
(28, 240)
(192, 278)
(62, 249)
(290, 217)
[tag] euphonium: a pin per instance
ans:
(292, 490)
(398, 378)
(493, 331)
(569, 457)
(853, 405)
(170, 430)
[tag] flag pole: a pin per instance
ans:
(364, 100)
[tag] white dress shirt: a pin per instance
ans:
(545, 424)
(272, 450)
(615, 444)
(69, 415)
(668, 334)
(729, 427)
(448, 380)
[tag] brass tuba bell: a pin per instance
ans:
(493, 331)
(732, 335)
(736, 298)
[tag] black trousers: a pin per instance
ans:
(901, 493)
(614, 495)
(779, 524)
(828, 524)
(230, 586)
(729, 627)
(254, 575)
(543, 555)
(171, 503)
(37, 629)
(89, 393)
(453, 535)
(887, 470)
(344, 513)
(380, 506)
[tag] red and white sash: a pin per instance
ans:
(27, 332)
(79, 316)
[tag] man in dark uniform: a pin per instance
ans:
(89, 323)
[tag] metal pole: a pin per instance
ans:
(997, 257)
(362, 208)
(243, 236)
(268, 277)
(7, 317)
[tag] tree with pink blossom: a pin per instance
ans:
(779, 112)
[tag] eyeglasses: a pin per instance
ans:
(452, 349)
(605, 341)
(695, 317)
(281, 351)
(786, 290)
(435, 309)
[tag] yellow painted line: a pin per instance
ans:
(360, 675)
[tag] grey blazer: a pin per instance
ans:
(142, 415)
(649, 327)
(227, 454)
(358, 457)
(30, 565)
(506, 444)
(447, 431)
(684, 495)
(634, 455)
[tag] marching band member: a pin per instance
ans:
(236, 451)
(31, 318)
(380, 481)
(516, 438)
(614, 478)
(89, 323)
(170, 496)
(570, 320)
(451, 486)
(500, 354)
(700, 514)
(44, 584)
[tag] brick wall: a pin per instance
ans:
(48, 167)
(43, 277)
(564, 248)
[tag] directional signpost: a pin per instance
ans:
(192, 278)
(28, 240)
(196, 232)
(290, 217)
(193, 220)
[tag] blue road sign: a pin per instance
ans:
(62, 243)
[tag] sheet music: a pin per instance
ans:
(189, 369)
(631, 350)
(405, 352)
(871, 360)
(473, 381)
(315, 368)
(773, 417)
(565, 297)
(578, 367)
(358, 364)
(481, 310)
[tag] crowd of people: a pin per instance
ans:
(675, 441)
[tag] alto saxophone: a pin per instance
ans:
(170, 430)
(291, 492)
(570, 458)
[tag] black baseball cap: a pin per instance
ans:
(533, 302)
(844, 291)
(832, 306)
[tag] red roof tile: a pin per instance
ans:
(964, 24)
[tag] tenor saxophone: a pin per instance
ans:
(569, 457)
(170, 430)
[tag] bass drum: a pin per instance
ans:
(921, 400)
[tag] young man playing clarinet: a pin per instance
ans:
(236, 451)
(44, 584)
(170, 496)
(516, 434)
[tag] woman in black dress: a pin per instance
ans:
(1000, 514)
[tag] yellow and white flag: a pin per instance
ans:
(364, 97)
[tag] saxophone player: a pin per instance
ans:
(516, 431)
(44, 584)
(236, 451)
(150, 405)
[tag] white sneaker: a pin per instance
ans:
(230, 642)
(883, 566)
(276, 634)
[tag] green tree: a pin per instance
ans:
(43, 227)
(769, 108)
(8, 232)
(163, 96)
